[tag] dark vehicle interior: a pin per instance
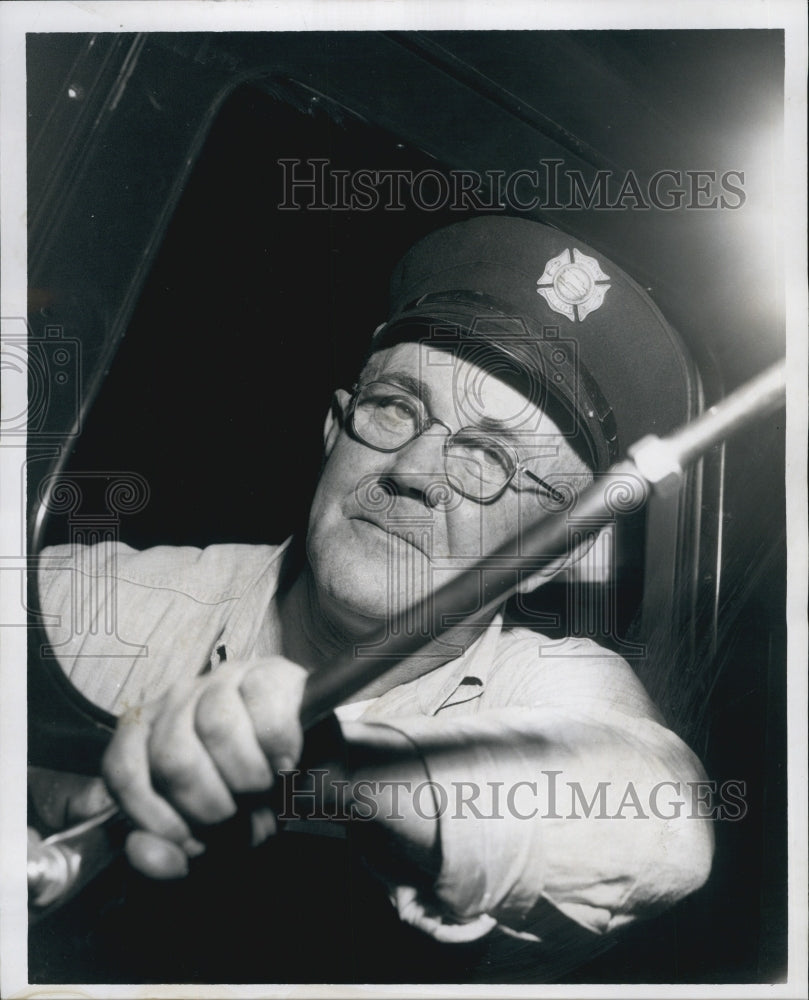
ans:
(202, 328)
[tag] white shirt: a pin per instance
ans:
(546, 731)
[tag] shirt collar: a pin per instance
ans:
(440, 687)
(240, 635)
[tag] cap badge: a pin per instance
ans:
(573, 284)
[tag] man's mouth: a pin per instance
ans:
(418, 537)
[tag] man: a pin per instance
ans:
(501, 786)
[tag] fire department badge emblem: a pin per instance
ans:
(573, 284)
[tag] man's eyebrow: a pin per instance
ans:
(406, 381)
(502, 430)
(515, 436)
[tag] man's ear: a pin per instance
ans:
(335, 418)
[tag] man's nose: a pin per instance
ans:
(417, 469)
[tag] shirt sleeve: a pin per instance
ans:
(572, 802)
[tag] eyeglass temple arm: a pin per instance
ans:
(554, 494)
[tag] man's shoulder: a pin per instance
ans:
(519, 640)
(206, 575)
(573, 671)
(124, 624)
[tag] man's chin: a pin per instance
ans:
(370, 605)
(373, 610)
(369, 575)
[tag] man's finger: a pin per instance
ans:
(125, 768)
(155, 856)
(225, 728)
(182, 770)
(263, 824)
(272, 691)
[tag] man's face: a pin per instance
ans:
(387, 528)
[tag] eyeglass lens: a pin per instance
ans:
(386, 418)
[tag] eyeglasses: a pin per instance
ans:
(386, 417)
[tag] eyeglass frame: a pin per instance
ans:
(431, 421)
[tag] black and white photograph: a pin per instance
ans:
(404, 499)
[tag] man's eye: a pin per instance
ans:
(492, 455)
(394, 409)
(491, 459)
(487, 454)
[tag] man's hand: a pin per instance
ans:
(62, 798)
(178, 761)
